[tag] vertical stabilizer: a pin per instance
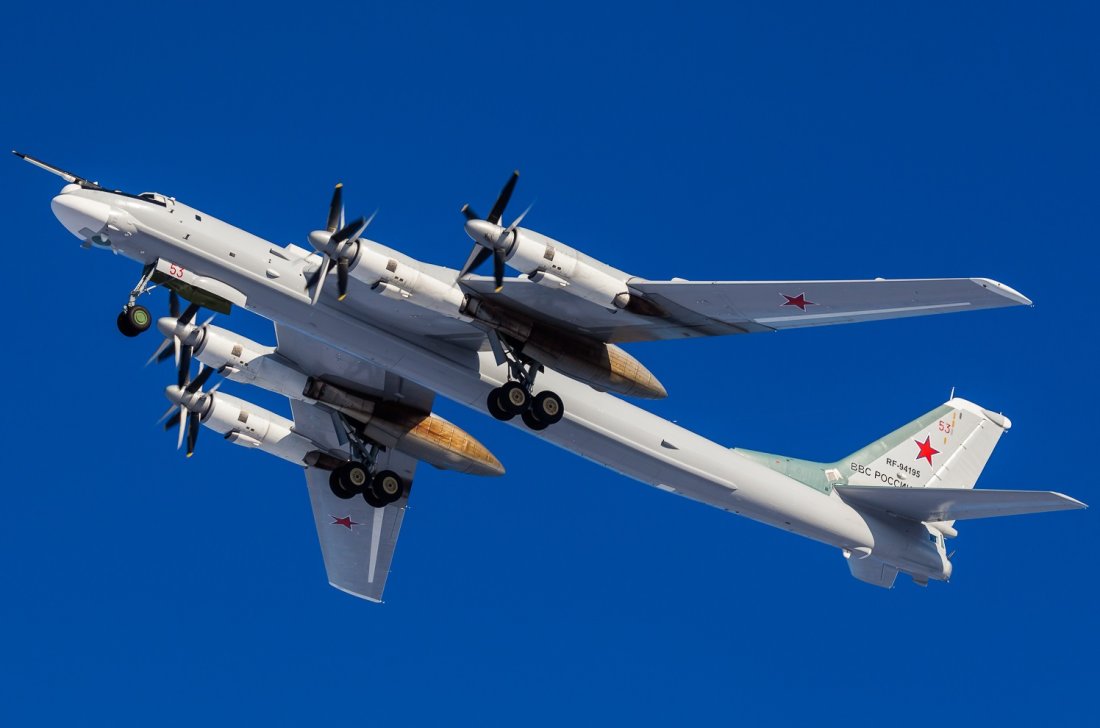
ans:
(946, 448)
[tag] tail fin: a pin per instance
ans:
(946, 448)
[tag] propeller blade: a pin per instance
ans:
(515, 223)
(170, 423)
(162, 352)
(198, 381)
(336, 209)
(498, 270)
(173, 304)
(193, 424)
(342, 279)
(189, 313)
(477, 256)
(502, 200)
(322, 273)
(469, 212)
(185, 365)
(348, 232)
(180, 422)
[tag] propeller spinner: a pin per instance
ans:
(489, 236)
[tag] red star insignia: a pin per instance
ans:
(799, 300)
(926, 449)
(346, 522)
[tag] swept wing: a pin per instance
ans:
(687, 309)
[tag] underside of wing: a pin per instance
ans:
(796, 304)
(688, 309)
(954, 504)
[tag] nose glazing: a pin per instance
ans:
(80, 216)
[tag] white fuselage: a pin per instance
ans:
(270, 281)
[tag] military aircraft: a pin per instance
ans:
(361, 358)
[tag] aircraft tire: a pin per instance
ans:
(492, 403)
(342, 483)
(139, 319)
(124, 327)
(373, 499)
(514, 399)
(548, 407)
(388, 486)
(532, 421)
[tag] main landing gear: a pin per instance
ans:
(358, 476)
(378, 490)
(135, 319)
(514, 398)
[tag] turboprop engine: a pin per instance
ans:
(601, 365)
(547, 261)
(245, 424)
(425, 436)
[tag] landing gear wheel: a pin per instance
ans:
(124, 326)
(387, 485)
(492, 402)
(349, 479)
(532, 421)
(138, 318)
(337, 486)
(514, 398)
(373, 499)
(548, 408)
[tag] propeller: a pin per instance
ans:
(337, 244)
(189, 405)
(180, 337)
(490, 237)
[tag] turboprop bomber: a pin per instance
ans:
(367, 337)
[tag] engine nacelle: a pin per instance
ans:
(403, 281)
(245, 424)
(249, 362)
(556, 265)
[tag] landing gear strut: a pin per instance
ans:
(514, 397)
(135, 319)
(358, 477)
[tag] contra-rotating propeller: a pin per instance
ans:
(337, 244)
(189, 405)
(490, 237)
(180, 335)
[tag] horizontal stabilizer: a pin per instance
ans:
(951, 504)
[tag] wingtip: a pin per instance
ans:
(1008, 292)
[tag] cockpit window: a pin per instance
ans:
(154, 198)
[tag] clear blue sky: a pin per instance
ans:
(761, 141)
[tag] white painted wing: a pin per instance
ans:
(357, 541)
(951, 504)
(320, 360)
(688, 309)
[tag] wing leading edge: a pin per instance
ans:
(954, 504)
(689, 309)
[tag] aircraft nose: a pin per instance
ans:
(80, 216)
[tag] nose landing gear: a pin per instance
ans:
(135, 319)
